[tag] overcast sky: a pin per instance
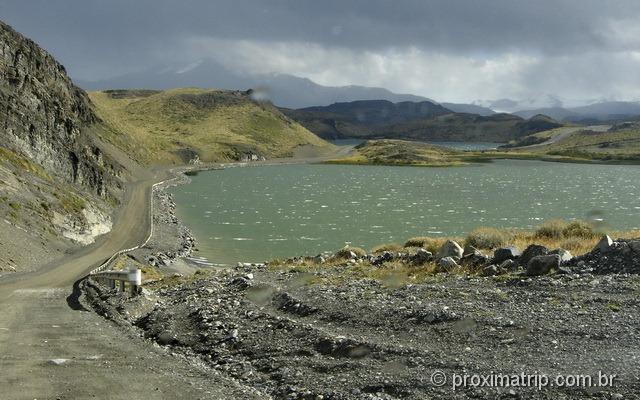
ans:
(449, 50)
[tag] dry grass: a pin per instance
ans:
(400, 152)
(346, 251)
(387, 247)
(488, 238)
(154, 127)
(576, 236)
(431, 244)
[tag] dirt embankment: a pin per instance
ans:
(289, 332)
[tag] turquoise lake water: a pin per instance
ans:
(260, 213)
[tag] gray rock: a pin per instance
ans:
(604, 245)
(447, 264)
(635, 246)
(491, 270)
(565, 255)
(421, 256)
(475, 259)
(508, 266)
(564, 270)
(382, 258)
(450, 249)
(531, 251)
(541, 265)
(505, 253)
(469, 250)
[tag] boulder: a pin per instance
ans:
(475, 259)
(508, 266)
(604, 245)
(421, 256)
(469, 250)
(635, 246)
(491, 270)
(382, 258)
(450, 249)
(447, 264)
(565, 255)
(541, 265)
(505, 253)
(531, 251)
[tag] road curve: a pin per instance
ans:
(51, 348)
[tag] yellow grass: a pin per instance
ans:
(216, 124)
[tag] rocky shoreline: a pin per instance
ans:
(171, 244)
(316, 328)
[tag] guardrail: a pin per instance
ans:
(131, 277)
(105, 264)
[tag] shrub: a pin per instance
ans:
(552, 229)
(345, 252)
(579, 229)
(387, 247)
(427, 243)
(487, 238)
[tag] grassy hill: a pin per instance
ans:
(400, 152)
(620, 143)
(174, 126)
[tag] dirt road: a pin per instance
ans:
(51, 347)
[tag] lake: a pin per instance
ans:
(259, 213)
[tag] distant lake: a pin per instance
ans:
(259, 213)
(450, 145)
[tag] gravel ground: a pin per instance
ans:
(280, 332)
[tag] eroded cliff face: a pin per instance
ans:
(45, 116)
(57, 185)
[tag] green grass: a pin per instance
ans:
(23, 164)
(620, 146)
(401, 152)
(70, 202)
(167, 126)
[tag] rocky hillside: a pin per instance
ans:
(55, 179)
(423, 121)
(180, 125)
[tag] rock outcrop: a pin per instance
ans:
(45, 117)
(57, 184)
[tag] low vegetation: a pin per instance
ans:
(214, 125)
(400, 152)
(578, 237)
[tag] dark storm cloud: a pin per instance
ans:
(97, 38)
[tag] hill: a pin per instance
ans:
(593, 113)
(468, 109)
(281, 89)
(423, 121)
(178, 125)
(400, 152)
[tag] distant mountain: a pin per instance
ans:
(557, 113)
(605, 111)
(283, 90)
(468, 108)
(423, 121)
